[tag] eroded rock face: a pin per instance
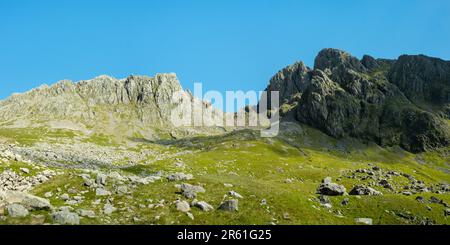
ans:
(422, 78)
(343, 96)
(106, 105)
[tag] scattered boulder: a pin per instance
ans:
(17, 211)
(64, 197)
(324, 199)
(447, 212)
(364, 190)
(183, 206)
(101, 179)
(407, 193)
(235, 194)
(330, 189)
(109, 209)
(263, 202)
(345, 201)
(420, 199)
(25, 170)
(179, 177)
(102, 192)
(202, 205)
(229, 205)
(66, 217)
(29, 201)
(434, 199)
(123, 189)
(190, 215)
(190, 191)
(86, 213)
(365, 221)
(384, 183)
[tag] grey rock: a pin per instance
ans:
(123, 189)
(330, 189)
(101, 179)
(365, 221)
(86, 213)
(364, 190)
(384, 183)
(407, 193)
(66, 218)
(109, 209)
(190, 215)
(263, 202)
(204, 206)
(17, 211)
(324, 199)
(342, 97)
(345, 201)
(183, 206)
(179, 177)
(64, 197)
(102, 192)
(27, 200)
(434, 199)
(190, 191)
(229, 205)
(25, 170)
(420, 199)
(235, 194)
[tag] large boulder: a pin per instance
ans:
(364, 190)
(229, 205)
(329, 188)
(17, 211)
(66, 217)
(29, 201)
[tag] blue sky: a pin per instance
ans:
(225, 44)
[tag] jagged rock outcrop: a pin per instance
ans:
(422, 78)
(129, 106)
(343, 96)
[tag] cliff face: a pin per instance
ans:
(103, 104)
(81, 100)
(422, 78)
(370, 99)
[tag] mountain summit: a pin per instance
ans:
(136, 105)
(392, 102)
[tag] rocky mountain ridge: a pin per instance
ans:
(130, 106)
(372, 99)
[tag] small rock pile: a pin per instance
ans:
(13, 181)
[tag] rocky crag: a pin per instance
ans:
(135, 106)
(391, 102)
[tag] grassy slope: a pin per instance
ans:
(258, 168)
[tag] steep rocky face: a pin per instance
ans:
(290, 82)
(344, 96)
(422, 78)
(82, 100)
(103, 104)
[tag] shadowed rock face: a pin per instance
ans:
(422, 78)
(344, 96)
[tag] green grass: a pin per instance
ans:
(258, 168)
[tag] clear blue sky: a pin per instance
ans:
(225, 44)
